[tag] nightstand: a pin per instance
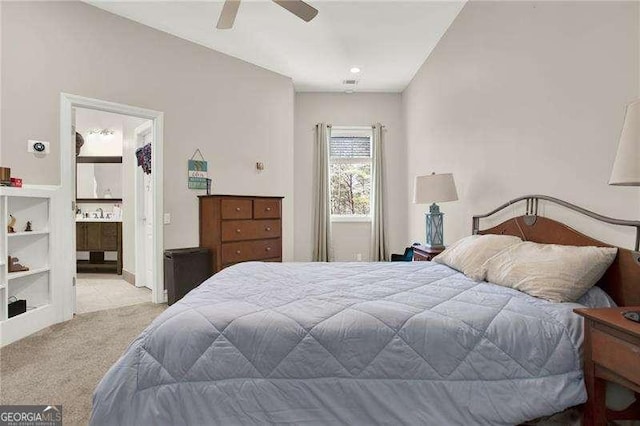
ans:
(424, 253)
(611, 353)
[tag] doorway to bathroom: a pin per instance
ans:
(116, 196)
(106, 227)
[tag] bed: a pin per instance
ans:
(358, 343)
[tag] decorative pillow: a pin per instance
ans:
(469, 254)
(549, 271)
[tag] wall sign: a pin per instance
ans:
(197, 171)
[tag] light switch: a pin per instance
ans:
(167, 218)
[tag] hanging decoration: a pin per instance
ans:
(143, 155)
(197, 170)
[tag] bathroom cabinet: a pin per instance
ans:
(98, 238)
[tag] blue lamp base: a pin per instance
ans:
(434, 226)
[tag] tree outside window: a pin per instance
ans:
(350, 175)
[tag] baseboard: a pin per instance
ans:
(129, 277)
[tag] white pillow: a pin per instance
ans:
(469, 254)
(549, 271)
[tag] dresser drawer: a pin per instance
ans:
(615, 354)
(251, 250)
(239, 230)
(236, 209)
(266, 208)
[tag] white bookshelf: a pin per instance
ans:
(34, 250)
(28, 234)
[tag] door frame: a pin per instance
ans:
(67, 152)
(139, 194)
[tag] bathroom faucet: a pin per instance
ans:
(101, 212)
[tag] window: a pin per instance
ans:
(350, 163)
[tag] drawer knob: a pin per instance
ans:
(237, 251)
(268, 228)
(268, 209)
(268, 249)
(238, 230)
(237, 209)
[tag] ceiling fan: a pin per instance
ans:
(299, 8)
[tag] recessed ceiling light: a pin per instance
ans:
(355, 70)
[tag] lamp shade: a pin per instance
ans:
(434, 188)
(626, 168)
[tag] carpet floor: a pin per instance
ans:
(63, 364)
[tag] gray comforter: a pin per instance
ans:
(347, 343)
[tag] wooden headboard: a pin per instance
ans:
(622, 279)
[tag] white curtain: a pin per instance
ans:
(322, 213)
(379, 241)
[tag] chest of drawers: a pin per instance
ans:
(241, 228)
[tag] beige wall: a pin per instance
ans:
(522, 98)
(235, 112)
(349, 110)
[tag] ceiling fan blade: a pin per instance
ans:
(299, 8)
(228, 14)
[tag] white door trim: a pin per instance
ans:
(139, 197)
(67, 103)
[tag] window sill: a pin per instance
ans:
(350, 218)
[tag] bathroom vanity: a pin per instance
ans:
(97, 237)
(98, 225)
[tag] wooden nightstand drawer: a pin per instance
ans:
(419, 257)
(611, 354)
(616, 355)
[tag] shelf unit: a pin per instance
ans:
(34, 250)
(28, 234)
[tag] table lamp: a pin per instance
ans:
(434, 188)
(626, 168)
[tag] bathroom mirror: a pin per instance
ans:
(99, 181)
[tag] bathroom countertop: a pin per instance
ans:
(90, 219)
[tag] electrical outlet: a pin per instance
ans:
(37, 147)
(359, 257)
(167, 218)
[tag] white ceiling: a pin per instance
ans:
(388, 40)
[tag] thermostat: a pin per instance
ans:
(38, 147)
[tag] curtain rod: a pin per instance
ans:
(372, 126)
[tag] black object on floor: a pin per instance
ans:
(184, 270)
(16, 308)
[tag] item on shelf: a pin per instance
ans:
(5, 176)
(16, 182)
(28, 227)
(16, 306)
(11, 225)
(14, 266)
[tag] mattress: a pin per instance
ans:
(410, 343)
